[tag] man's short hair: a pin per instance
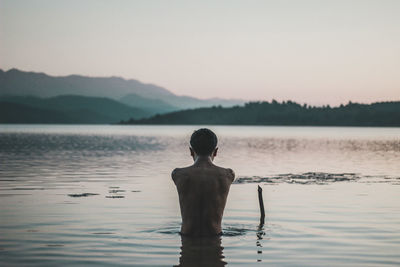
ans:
(203, 142)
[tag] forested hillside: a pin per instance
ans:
(285, 113)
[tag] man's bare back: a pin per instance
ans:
(203, 189)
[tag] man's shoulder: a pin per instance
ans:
(190, 171)
(178, 172)
(175, 172)
(227, 172)
(230, 174)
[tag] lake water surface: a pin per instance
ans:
(102, 195)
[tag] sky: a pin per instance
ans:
(316, 52)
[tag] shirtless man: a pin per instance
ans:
(202, 187)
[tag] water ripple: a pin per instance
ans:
(304, 178)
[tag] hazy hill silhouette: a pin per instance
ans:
(285, 113)
(153, 105)
(20, 83)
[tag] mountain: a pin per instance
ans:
(16, 82)
(153, 105)
(19, 83)
(65, 109)
(17, 113)
(285, 113)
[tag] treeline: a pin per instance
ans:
(69, 109)
(284, 113)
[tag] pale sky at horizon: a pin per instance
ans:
(316, 52)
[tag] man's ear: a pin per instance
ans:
(215, 152)
(191, 152)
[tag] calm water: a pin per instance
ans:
(102, 195)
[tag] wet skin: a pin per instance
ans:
(203, 189)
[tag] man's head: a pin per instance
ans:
(203, 142)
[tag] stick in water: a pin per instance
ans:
(260, 200)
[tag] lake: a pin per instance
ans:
(103, 195)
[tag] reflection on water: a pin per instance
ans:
(102, 195)
(260, 235)
(204, 251)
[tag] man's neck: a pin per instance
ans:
(200, 160)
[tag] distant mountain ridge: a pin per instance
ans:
(20, 83)
(16, 82)
(285, 113)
